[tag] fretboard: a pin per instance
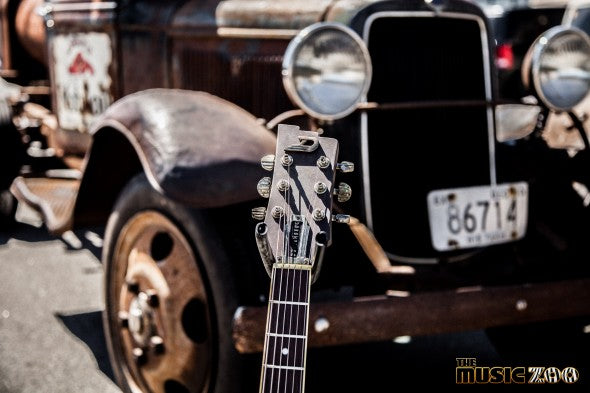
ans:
(285, 345)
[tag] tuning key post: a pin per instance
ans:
(345, 166)
(341, 218)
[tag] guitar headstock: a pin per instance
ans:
(298, 219)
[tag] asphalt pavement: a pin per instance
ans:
(51, 336)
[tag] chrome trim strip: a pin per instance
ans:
(49, 8)
(487, 85)
(365, 169)
(242, 32)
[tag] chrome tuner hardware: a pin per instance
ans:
(320, 188)
(268, 162)
(286, 160)
(277, 212)
(323, 162)
(318, 214)
(343, 192)
(258, 213)
(263, 187)
(283, 185)
(341, 218)
(345, 166)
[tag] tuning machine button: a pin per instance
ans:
(341, 218)
(345, 166)
(268, 162)
(343, 192)
(263, 187)
(258, 213)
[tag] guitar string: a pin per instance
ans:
(291, 280)
(271, 297)
(275, 338)
(282, 222)
(305, 287)
(304, 343)
(297, 332)
(285, 272)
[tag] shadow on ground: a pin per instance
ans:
(88, 328)
(88, 238)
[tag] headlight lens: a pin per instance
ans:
(327, 70)
(560, 67)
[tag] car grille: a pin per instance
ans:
(241, 79)
(414, 151)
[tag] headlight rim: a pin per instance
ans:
(289, 62)
(537, 49)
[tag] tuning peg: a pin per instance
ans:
(268, 162)
(343, 192)
(341, 218)
(345, 166)
(263, 187)
(258, 213)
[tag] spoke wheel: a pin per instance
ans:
(158, 308)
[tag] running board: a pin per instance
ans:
(53, 198)
(384, 318)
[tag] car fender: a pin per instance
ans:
(195, 148)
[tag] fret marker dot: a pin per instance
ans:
(285, 351)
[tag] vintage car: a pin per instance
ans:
(151, 117)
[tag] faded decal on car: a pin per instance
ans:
(82, 79)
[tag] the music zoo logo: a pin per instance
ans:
(467, 372)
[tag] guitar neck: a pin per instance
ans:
(285, 344)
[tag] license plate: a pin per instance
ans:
(477, 216)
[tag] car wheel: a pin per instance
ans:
(169, 301)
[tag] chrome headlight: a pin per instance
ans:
(558, 65)
(327, 70)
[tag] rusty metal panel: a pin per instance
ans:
(381, 318)
(246, 72)
(5, 61)
(277, 14)
(30, 28)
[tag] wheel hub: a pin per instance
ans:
(141, 319)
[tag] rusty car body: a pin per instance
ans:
(151, 117)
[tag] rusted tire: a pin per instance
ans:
(169, 298)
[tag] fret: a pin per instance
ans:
(283, 380)
(283, 367)
(288, 302)
(288, 319)
(286, 335)
(283, 351)
(290, 285)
